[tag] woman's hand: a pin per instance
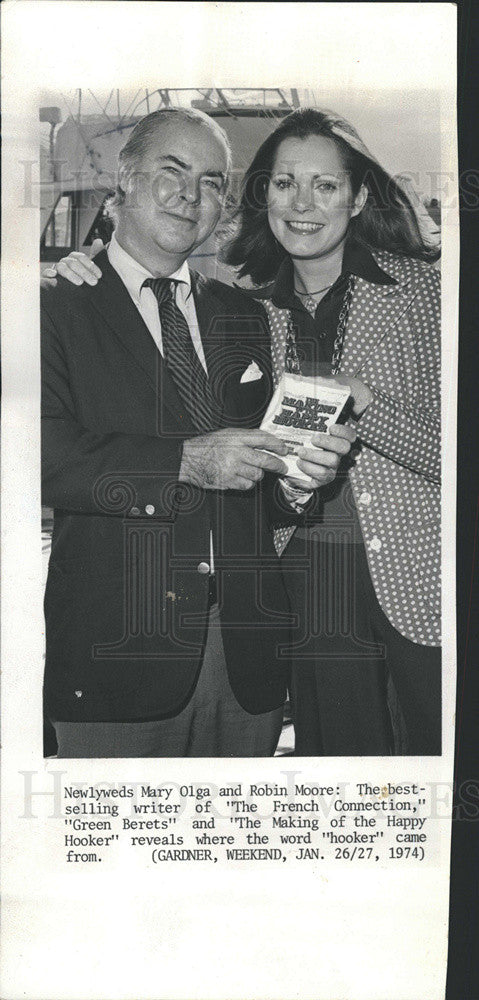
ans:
(78, 267)
(360, 392)
(321, 462)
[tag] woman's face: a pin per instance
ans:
(309, 197)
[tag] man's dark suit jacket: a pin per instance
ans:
(127, 593)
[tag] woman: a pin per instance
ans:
(353, 294)
(354, 290)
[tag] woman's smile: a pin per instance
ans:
(303, 228)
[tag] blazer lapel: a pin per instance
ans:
(111, 299)
(209, 310)
(374, 310)
(231, 341)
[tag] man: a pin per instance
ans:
(165, 608)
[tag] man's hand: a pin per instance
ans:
(321, 462)
(230, 459)
(78, 267)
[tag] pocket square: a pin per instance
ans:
(252, 373)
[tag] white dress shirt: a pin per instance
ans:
(134, 274)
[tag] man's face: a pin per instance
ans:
(174, 200)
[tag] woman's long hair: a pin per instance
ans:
(387, 221)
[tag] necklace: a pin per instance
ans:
(310, 294)
(292, 364)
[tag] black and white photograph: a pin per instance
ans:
(231, 280)
(197, 580)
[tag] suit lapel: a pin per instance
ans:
(231, 342)
(112, 300)
(374, 310)
(209, 309)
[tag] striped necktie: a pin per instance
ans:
(180, 357)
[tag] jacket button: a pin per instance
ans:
(149, 509)
(78, 693)
(135, 511)
(204, 568)
(376, 544)
(365, 499)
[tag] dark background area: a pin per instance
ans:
(463, 963)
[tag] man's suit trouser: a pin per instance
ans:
(212, 724)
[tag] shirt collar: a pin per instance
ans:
(133, 274)
(358, 260)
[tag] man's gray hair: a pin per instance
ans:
(144, 133)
